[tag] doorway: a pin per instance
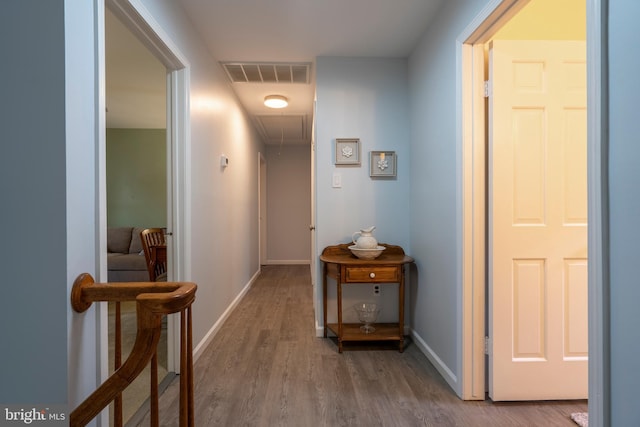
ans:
(474, 211)
(174, 82)
(262, 210)
(137, 182)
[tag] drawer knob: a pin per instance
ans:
(372, 275)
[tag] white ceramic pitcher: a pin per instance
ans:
(366, 239)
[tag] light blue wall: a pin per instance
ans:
(436, 199)
(33, 307)
(624, 209)
(50, 199)
(47, 170)
(367, 99)
(221, 212)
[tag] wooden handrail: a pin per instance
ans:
(153, 300)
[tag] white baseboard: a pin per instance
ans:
(197, 351)
(287, 262)
(440, 366)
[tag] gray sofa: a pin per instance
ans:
(125, 257)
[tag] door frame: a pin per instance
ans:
(471, 164)
(141, 23)
(262, 211)
(313, 261)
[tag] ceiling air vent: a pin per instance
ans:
(260, 72)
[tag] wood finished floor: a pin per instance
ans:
(266, 367)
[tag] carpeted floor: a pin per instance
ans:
(581, 418)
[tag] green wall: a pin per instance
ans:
(136, 178)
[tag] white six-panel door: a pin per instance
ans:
(537, 221)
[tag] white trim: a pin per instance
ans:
(598, 232)
(180, 256)
(141, 22)
(462, 227)
(473, 222)
(440, 366)
(471, 197)
(313, 262)
(262, 208)
(102, 309)
(179, 127)
(493, 16)
(204, 343)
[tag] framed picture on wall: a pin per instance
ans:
(382, 164)
(347, 151)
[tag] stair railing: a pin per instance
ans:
(153, 301)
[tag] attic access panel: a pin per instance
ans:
(282, 128)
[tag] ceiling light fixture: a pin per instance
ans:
(276, 101)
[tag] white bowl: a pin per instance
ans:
(366, 253)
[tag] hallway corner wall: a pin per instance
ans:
(223, 201)
(436, 189)
(363, 98)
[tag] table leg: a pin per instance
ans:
(401, 309)
(324, 297)
(339, 300)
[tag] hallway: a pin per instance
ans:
(266, 367)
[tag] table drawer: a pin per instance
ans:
(372, 274)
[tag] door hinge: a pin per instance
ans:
(486, 345)
(487, 88)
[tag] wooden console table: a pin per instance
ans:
(341, 265)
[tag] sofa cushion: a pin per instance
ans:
(136, 243)
(119, 239)
(117, 261)
(128, 276)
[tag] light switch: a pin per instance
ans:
(337, 180)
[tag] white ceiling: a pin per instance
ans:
(288, 31)
(135, 80)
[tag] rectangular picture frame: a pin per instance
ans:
(382, 164)
(347, 151)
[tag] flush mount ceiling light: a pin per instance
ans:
(276, 101)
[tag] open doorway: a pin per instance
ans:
(474, 166)
(172, 85)
(137, 181)
(262, 209)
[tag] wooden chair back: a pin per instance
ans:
(154, 246)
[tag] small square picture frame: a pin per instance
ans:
(347, 151)
(382, 164)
